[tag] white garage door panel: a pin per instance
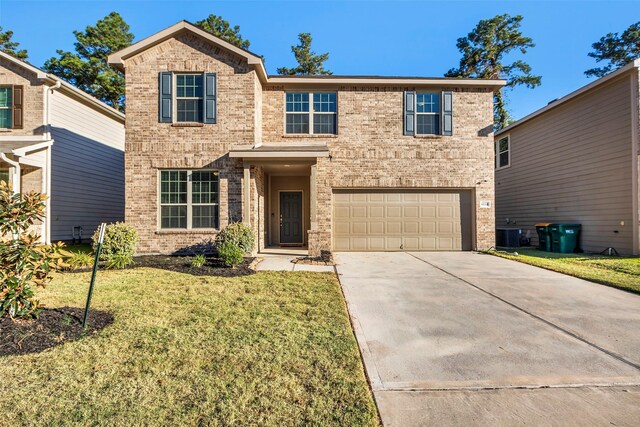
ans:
(395, 221)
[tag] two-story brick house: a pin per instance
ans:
(332, 162)
(58, 140)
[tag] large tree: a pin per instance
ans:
(87, 67)
(221, 28)
(7, 46)
(617, 49)
(309, 63)
(483, 56)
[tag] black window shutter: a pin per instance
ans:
(210, 97)
(447, 113)
(409, 112)
(165, 98)
(17, 107)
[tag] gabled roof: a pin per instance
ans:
(117, 59)
(67, 88)
(556, 103)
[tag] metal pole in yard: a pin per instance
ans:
(93, 275)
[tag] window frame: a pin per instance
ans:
(311, 112)
(174, 101)
(10, 107)
(497, 152)
(438, 114)
(189, 203)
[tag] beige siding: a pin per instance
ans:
(573, 164)
(87, 167)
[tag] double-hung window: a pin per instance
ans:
(311, 113)
(189, 199)
(189, 98)
(427, 114)
(6, 103)
(503, 155)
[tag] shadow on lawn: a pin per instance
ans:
(53, 327)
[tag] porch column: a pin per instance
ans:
(246, 195)
(313, 190)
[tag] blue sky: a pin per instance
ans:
(363, 37)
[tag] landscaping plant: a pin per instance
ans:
(79, 260)
(118, 246)
(230, 253)
(238, 234)
(198, 261)
(24, 262)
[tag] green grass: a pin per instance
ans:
(84, 248)
(619, 272)
(266, 349)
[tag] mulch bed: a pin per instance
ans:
(182, 264)
(53, 327)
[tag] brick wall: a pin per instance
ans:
(151, 146)
(370, 150)
(33, 98)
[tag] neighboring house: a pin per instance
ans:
(58, 140)
(576, 161)
(332, 162)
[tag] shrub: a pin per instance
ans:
(119, 240)
(198, 261)
(24, 262)
(230, 253)
(239, 234)
(119, 261)
(79, 260)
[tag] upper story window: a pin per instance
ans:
(6, 102)
(427, 114)
(503, 153)
(311, 113)
(187, 98)
(189, 199)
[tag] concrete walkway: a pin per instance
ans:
(279, 259)
(468, 339)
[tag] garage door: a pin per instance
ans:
(404, 220)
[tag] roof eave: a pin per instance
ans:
(584, 89)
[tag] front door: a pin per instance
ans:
(291, 217)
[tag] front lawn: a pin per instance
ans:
(619, 272)
(266, 349)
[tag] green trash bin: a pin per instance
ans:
(564, 237)
(544, 236)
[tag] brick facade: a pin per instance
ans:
(33, 98)
(369, 150)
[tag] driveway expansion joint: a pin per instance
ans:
(535, 316)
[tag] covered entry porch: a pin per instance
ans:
(286, 177)
(25, 164)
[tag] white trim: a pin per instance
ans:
(635, 64)
(635, 159)
(496, 155)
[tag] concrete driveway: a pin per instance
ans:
(471, 339)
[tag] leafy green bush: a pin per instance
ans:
(198, 261)
(119, 241)
(79, 260)
(230, 253)
(24, 262)
(239, 234)
(119, 261)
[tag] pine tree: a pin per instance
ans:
(309, 63)
(617, 49)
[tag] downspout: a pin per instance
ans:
(47, 173)
(16, 172)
